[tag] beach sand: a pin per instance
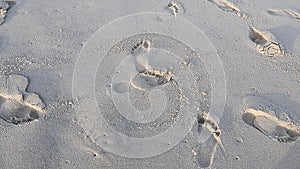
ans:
(150, 84)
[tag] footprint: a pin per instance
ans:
(204, 153)
(4, 7)
(147, 76)
(139, 53)
(156, 77)
(3, 10)
(143, 45)
(284, 12)
(151, 78)
(265, 43)
(226, 6)
(270, 119)
(16, 112)
(16, 105)
(173, 7)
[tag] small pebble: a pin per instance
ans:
(239, 140)
(194, 153)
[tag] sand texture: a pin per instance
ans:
(144, 84)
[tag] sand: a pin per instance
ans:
(149, 84)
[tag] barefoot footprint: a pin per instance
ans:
(265, 43)
(16, 105)
(142, 80)
(270, 119)
(4, 7)
(284, 12)
(204, 153)
(147, 76)
(226, 6)
(156, 77)
(174, 7)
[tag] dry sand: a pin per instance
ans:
(150, 84)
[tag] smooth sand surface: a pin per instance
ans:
(149, 84)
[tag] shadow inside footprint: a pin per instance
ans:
(16, 112)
